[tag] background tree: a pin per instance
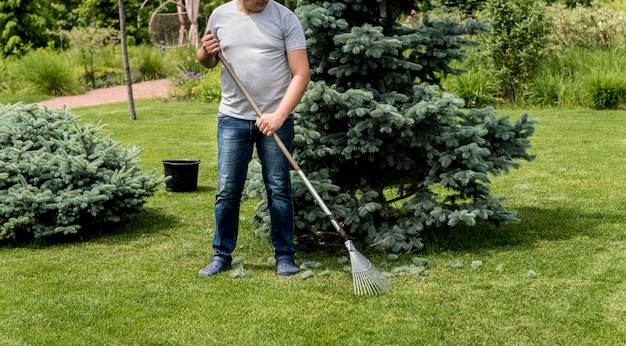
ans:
(24, 23)
(390, 153)
(464, 7)
(104, 14)
(40, 23)
(129, 83)
(90, 41)
(518, 41)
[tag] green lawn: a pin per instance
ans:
(138, 285)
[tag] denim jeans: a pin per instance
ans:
(236, 141)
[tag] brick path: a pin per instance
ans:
(144, 90)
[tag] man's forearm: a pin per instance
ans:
(207, 60)
(293, 95)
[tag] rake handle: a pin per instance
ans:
(283, 148)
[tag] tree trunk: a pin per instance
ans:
(129, 82)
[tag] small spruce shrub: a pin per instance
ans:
(57, 177)
(390, 154)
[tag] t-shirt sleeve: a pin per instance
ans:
(294, 37)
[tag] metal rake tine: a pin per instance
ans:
(367, 279)
(370, 283)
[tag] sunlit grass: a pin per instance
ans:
(137, 285)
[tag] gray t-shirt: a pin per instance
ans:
(256, 46)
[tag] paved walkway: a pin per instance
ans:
(144, 90)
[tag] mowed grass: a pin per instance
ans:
(137, 284)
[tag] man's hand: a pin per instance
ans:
(210, 44)
(207, 52)
(269, 123)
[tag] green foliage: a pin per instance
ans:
(105, 14)
(198, 86)
(91, 41)
(566, 77)
(584, 42)
(63, 13)
(191, 64)
(576, 3)
(58, 177)
(546, 88)
(608, 91)
(517, 42)
(3, 74)
(24, 24)
(40, 23)
(466, 7)
(390, 156)
(149, 63)
(477, 87)
(587, 27)
(44, 71)
(85, 65)
(196, 82)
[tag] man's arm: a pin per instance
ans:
(301, 75)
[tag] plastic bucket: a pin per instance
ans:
(184, 175)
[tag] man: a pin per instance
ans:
(265, 44)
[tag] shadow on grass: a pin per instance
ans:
(536, 224)
(149, 221)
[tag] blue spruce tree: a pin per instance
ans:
(389, 152)
(60, 178)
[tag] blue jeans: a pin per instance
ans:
(236, 141)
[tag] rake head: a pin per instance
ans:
(368, 281)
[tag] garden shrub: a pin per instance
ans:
(4, 80)
(477, 87)
(607, 91)
(150, 63)
(546, 88)
(569, 72)
(586, 27)
(44, 71)
(199, 86)
(91, 42)
(57, 176)
(107, 76)
(190, 64)
(517, 42)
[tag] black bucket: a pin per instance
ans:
(184, 175)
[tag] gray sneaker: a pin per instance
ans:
(285, 266)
